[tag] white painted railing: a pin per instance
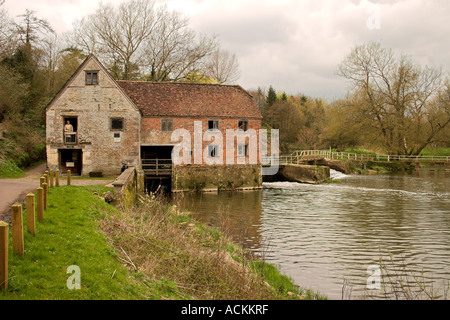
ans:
(299, 155)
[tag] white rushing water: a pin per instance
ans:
(336, 175)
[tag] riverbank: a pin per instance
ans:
(154, 251)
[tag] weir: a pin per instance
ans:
(311, 174)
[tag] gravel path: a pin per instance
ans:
(15, 190)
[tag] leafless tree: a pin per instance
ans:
(8, 38)
(139, 37)
(174, 51)
(398, 96)
(223, 67)
(30, 26)
(118, 34)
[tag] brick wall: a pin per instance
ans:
(151, 133)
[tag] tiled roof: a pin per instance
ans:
(177, 99)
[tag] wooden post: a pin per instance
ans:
(4, 243)
(42, 181)
(51, 179)
(17, 228)
(68, 177)
(40, 204)
(57, 178)
(31, 214)
(45, 187)
(47, 177)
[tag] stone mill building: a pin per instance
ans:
(95, 123)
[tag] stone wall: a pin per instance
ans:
(94, 106)
(216, 178)
(128, 186)
(305, 173)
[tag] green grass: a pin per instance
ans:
(9, 169)
(359, 150)
(442, 152)
(68, 236)
(173, 252)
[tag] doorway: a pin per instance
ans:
(157, 166)
(70, 159)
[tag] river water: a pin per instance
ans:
(336, 238)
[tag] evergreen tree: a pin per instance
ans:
(271, 97)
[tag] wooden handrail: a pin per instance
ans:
(297, 156)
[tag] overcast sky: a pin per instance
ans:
(294, 45)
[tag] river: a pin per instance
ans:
(336, 238)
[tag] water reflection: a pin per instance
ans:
(238, 214)
(324, 234)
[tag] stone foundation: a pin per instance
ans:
(216, 178)
(305, 173)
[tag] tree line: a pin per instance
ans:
(135, 40)
(396, 106)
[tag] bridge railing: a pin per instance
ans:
(157, 166)
(301, 155)
(305, 154)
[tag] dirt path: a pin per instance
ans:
(15, 190)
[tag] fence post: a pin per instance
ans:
(57, 178)
(42, 181)
(31, 214)
(45, 187)
(17, 228)
(40, 204)
(51, 179)
(4, 243)
(68, 177)
(47, 177)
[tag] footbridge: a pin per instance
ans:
(302, 156)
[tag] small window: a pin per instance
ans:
(91, 77)
(116, 123)
(70, 130)
(243, 150)
(243, 125)
(167, 125)
(213, 151)
(116, 136)
(213, 125)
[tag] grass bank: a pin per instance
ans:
(10, 169)
(20, 147)
(153, 251)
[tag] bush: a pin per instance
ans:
(9, 169)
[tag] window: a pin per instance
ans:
(91, 77)
(117, 137)
(243, 125)
(213, 125)
(167, 125)
(243, 150)
(70, 130)
(213, 151)
(117, 123)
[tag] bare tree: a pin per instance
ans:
(8, 37)
(118, 34)
(138, 37)
(397, 95)
(30, 26)
(174, 51)
(223, 67)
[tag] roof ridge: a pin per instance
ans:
(181, 83)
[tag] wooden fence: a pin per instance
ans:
(158, 167)
(301, 155)
(35, 204)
